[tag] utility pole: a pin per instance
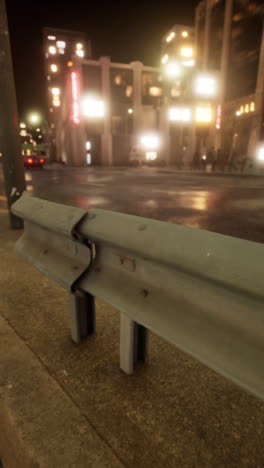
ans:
(13, 165)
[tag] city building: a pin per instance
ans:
(189, 96)
(60, 48)
(230, 40)
(178, 44)
(108, 109)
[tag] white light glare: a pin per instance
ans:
(150, 141)
(173, 70)
(260, 155)
(130, 111)
(54, 68)
(22, 125)
(180, 114)
(88, 145)
(79, 46)
(93, 107)
(206, 85)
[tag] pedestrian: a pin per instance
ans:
(196, 160)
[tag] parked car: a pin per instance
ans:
(33, 161)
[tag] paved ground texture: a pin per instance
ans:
(72, 405)
(231, 205)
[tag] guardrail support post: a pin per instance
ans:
(82, 315)
(133, 344)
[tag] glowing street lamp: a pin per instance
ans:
(34, 118)
(173, 70)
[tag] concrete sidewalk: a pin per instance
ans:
(63, 405)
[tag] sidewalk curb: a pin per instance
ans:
(40, 425)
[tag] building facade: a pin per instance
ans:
(60, 48)
(230, 40)
(105, 110)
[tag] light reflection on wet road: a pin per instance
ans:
(226, 204)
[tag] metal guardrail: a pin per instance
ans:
(201, 291)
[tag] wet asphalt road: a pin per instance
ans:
(232, 205)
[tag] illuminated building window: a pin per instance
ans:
(55, 91)
(56, 101)
(80, 53)
(179, 114)
(246, 108)
(185, 34)
(252, 106)
(155, 91)
(54, 68)
(52, 38)
(187, 52)
(61, 44)
(129, 91)
(203, 114)
(242, 110)
(79, 46)
(170, 37)
(164, 59)
(52, 50)
(70, 64)
(118, 80)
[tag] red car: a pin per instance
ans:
(33, 161)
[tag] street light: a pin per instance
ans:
(93, 107)
(173, 70)
(34, 118)
(206, 85)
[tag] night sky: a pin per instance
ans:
(124, 30)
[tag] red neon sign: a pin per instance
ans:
(219, 116)
(75, 98)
